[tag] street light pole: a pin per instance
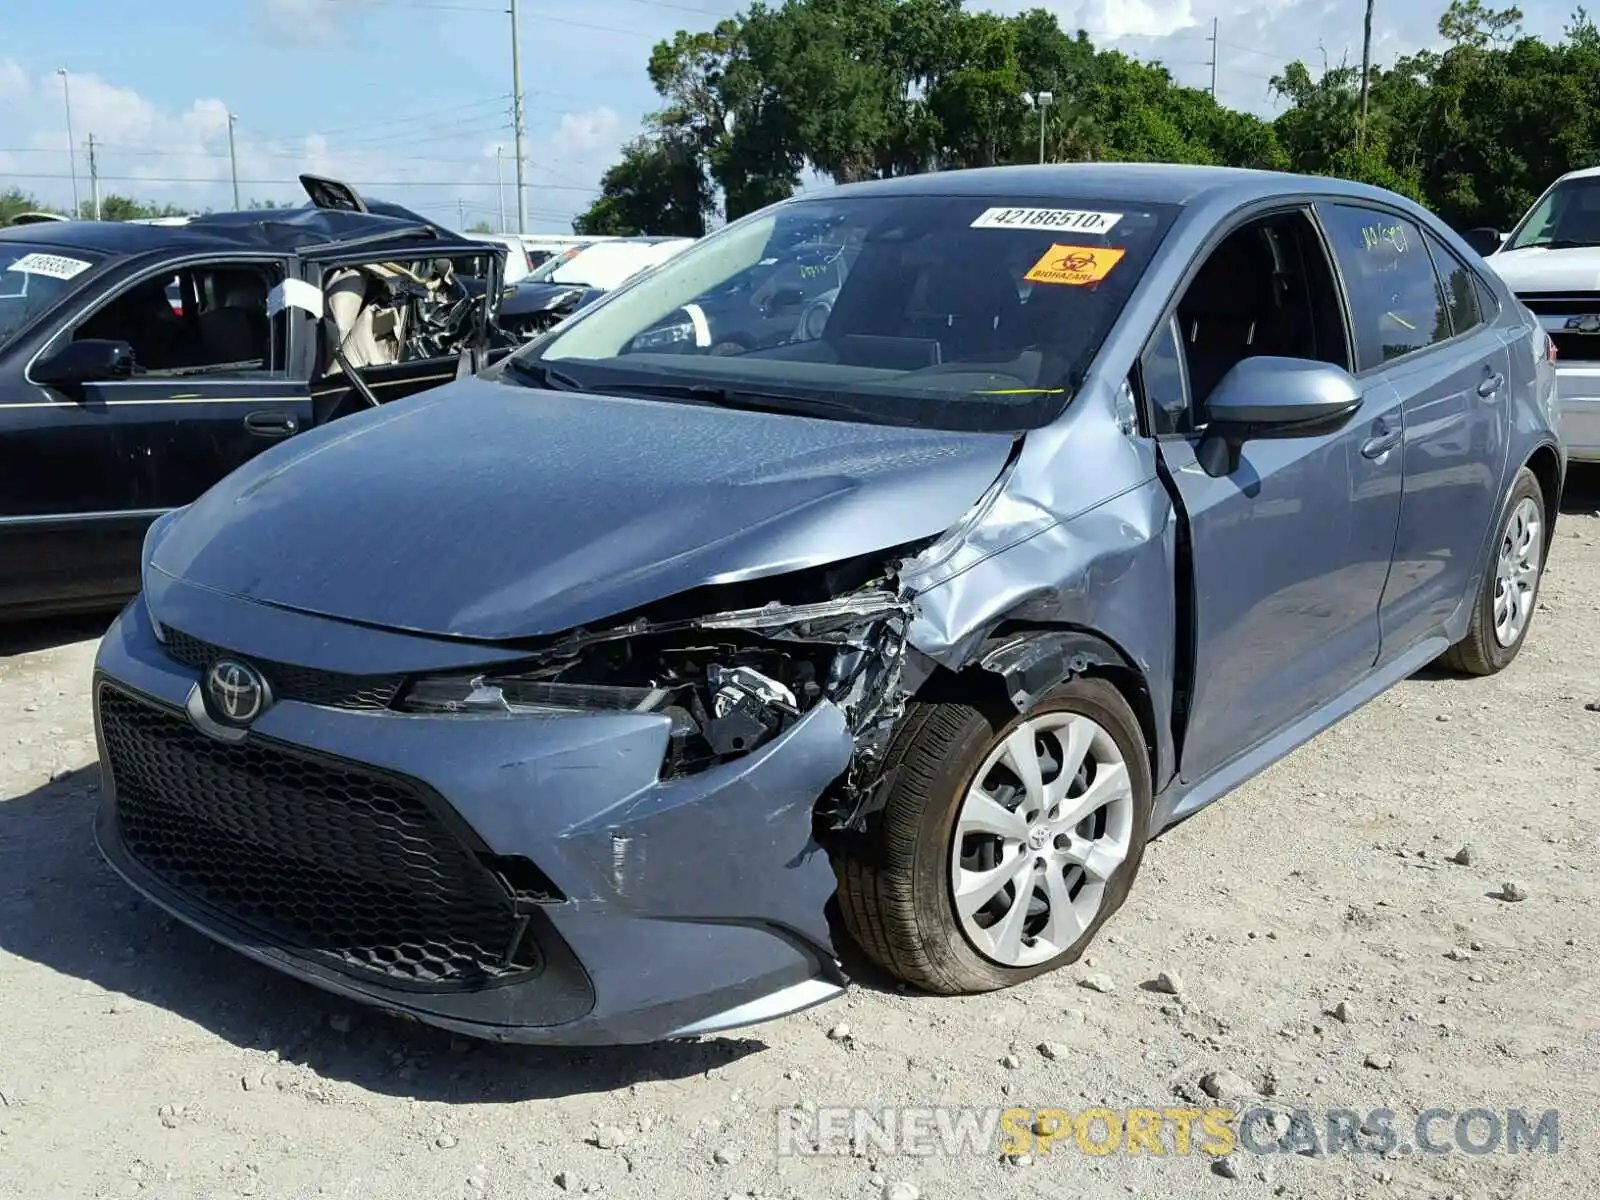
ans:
(233, 162)
(72, 152)
(516, 113)
(1045, 99)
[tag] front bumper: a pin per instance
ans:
(1579, 390)
(682, 907)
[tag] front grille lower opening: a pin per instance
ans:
(322, 857)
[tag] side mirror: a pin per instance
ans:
(1484, 239)
(1269, 397)
(87, 361)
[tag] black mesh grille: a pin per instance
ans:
(1561, 304)
(320, 856)
(327, 688)
(1576, 347)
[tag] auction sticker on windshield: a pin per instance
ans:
(55, 266)
(1074, 265)
(1060, 220)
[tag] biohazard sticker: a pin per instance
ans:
(55, 266)
(1055, 220)
(1075, 265)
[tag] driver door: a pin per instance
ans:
(1289, 550)
(211, 387)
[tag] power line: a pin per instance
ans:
(432, 114)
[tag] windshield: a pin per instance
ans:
(947, 312)
(552, 264)
(1568, 215)
(32, 278)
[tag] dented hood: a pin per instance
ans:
(488, 510)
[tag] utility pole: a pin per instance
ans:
(1366, 70)
(94, 178)
(499, 184)
(461, 213)
(72, 151)
(1213, 40)
(233, 162)
(516, 114)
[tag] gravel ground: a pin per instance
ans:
(136, 1058)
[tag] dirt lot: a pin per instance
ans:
(135, 1058)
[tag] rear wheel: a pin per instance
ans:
(1006, 840)
(1509, 591)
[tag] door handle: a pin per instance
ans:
(272, 424)
(1380, 444)
(1490, 386)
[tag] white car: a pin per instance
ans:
(1551, 260)
(577, 276)
(603, 266)
(527, 252)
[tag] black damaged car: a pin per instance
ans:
(139, 364)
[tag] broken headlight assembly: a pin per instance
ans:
(729, 682)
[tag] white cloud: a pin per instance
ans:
(1137, 18)
(429, 162)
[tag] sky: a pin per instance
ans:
(410, 100)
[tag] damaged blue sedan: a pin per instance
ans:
(609, 695)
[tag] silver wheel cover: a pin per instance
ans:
(1047, 820)
(1516, 576)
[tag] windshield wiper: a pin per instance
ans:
(750, 400)
(541, 375)
(1567, 244)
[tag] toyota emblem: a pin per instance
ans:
(236, 691)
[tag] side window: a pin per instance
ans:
(1488, 304)
(1267, 289)
(1161, 379)
(1395, 298)
(205, 319)
(1460, 288)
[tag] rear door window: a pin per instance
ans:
(1396, 302)
(1461, 288)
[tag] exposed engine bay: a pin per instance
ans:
(731, 681)
(385, 313)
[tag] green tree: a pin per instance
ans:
(14, 201)
(124, 208)
(658, 188)
(865, 89)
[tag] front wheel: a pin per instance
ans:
(1006, 840)
(1509, 591)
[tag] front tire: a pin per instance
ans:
(1503, 609)
(1006, 841)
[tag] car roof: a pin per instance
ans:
(1148, 183)
(280, 230)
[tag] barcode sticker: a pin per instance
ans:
(1057, 220)
(55, 266)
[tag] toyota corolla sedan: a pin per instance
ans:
(608, 695)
